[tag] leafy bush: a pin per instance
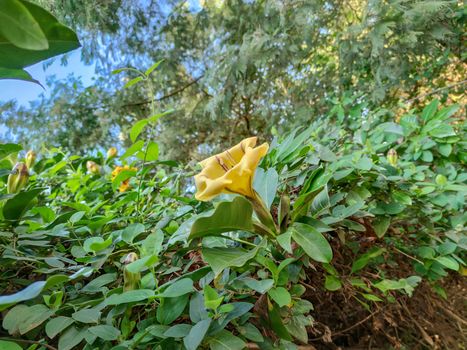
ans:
(126, 258)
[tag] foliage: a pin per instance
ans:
(83, 264)
(29, 34)
(282, 65)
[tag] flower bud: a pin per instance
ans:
(130, 279)
(92, 167)
(392, 157)
(111, 152)
(30, 159)
(18, 178)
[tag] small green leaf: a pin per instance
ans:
(381, 225)
(225, 340)
(87, 316)
(57, 325)
(28, 293)
(196, 334)
(211, 299)
(16, 207)
(9, 345)
(133, 82)
(153, 67)
(178, 288)
(129, 297)
(332, 283)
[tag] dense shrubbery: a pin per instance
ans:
(129, 259)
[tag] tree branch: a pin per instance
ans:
(435, 91)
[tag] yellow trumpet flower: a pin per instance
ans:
(231, 171)
(126, 183)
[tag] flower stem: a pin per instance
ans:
(263, 213)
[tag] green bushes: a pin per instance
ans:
(148, 266)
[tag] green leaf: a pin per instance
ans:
(276, 323)
(221, 258)
(140, 264)
(280, 295)
(17, 74)
(8, 148)
(196, 334)
(19, 27)
(228, 216)
(137, 128)
(364, 259)
(133, 82)
(178, 331)
(284, 241)
(312, 242)
(28, 293)
(261, 286)
(37, 314)
(87, 316)
(136, 147)
(57, 325)
(152, 153)
(105, 332)
(265, 183)
(132, 231)
(430, 110)
(70, 339)
(95, 244)
(448, 262)
(129, 297)
(224, 340)
(60, 39)
(171, 308)
(211, 298)
(381, 225)
(15, 207)
(180, 287)
(96, 284)
(153, 67)
(332, 283)
(251, 332)
(9, 345)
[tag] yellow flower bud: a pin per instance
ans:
(30, 159)
(92, 167)
(18, 178)
(130, 279)
(111, 152)
(392, 157)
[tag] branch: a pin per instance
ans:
(170, 94)
(29, 342)
(435, 91)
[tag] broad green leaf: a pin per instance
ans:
(105, 332)
(180, 287)
(222, 258)
(448, 262)
(87, 316)
(171, 308)
(129, 297)
(15, 207)
(17, 74)
(312, 242)
(224, 340)
(430, 110)
(36, 315)
(9, 345)
(284, 241)
(132, 231)
(196, 334)
(70, 338)
(228, 216)
(95, 244)
(251, 332)
(265, 183)
(140, 264)
(261, 286)
(381, 225)
(19, 27)
(280, 295)
(57, 325)
(178, 330)
(60, 39)
(276, 322)
(137, 128)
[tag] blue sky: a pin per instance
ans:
(24, 92)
